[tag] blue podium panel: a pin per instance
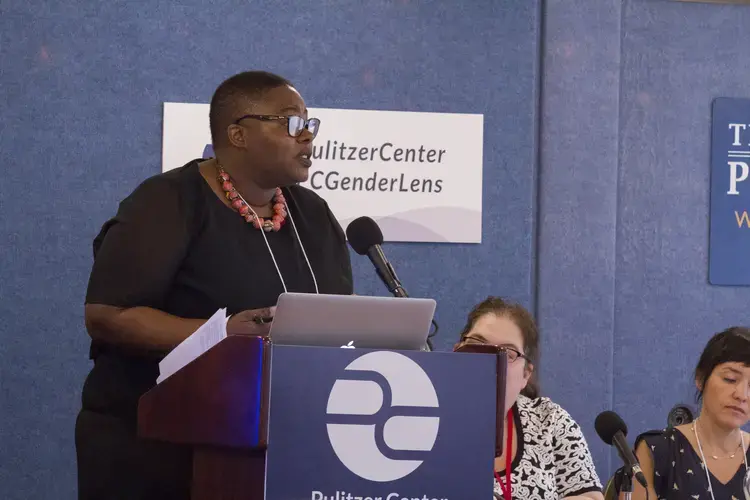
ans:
(355, 424)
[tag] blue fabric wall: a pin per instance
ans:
(83, 85)
(577, 217)
(623, 297)
(676, 58)
(595, 178)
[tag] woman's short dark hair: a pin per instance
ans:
(235, 91)
(730, 346)
(523, 320)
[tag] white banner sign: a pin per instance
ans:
(419, 175)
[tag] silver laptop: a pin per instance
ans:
(352, 321)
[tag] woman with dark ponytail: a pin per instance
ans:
(549, 457)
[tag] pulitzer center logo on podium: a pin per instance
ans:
(367, 424)
(382, 418)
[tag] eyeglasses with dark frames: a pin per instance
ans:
(295, 124)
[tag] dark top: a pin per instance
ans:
(679, 472)
(174, 246)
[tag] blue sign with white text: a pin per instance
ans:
(356, 424)
(729, 244)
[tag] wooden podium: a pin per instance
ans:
(219, 406)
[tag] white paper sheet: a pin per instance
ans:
(204, 338)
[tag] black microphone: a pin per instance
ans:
(365, 237)
(613, 430)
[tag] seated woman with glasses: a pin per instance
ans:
(549, 457)
(706, 458)
(234, 232)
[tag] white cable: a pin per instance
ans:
(262, 232)
(296, 233)
(703, 458)
(315, 281)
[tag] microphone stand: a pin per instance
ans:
(399, 291)
(627, 483)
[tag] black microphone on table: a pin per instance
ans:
(613, 431)
(366, 238)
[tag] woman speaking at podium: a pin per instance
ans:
(233, 231)
(546, 455)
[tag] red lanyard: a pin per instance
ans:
(506, 486)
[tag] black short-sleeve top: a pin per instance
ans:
(679, 471)
(174, 246)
